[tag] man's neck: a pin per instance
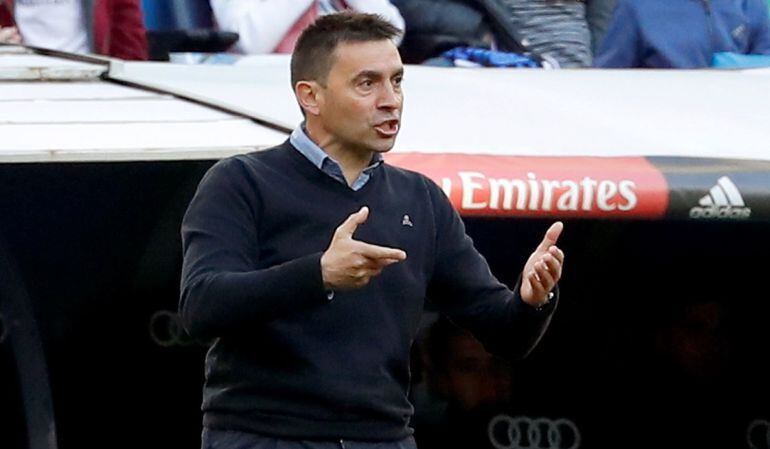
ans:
(351, 161)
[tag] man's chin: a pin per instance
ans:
(384, 145)
(383, 150)
(373, 145)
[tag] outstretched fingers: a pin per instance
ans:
(380, 254)
(350, 263)
(553, 264)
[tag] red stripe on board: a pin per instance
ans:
(580, 187)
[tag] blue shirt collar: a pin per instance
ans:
(318, 157)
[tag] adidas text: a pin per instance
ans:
(721, 212)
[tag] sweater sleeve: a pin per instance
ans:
(463, 287)
(223, 290)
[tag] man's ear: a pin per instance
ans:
(308, 93)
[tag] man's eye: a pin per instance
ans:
(397, 81)
(367, 83)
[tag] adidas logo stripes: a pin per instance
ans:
(723, 201)
(723, 194)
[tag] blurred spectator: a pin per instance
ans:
(464, 388)
(172, 15)
(598, 16)
(697, 344)
(690, 371)
(108, 27)
(683, 33)
(555, 30)
(435, 26)
(273, 26)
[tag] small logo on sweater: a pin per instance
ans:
(406, 221)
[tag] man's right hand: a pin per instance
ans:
(349, 263)
(9, 35)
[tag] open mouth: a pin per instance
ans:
(388, 128)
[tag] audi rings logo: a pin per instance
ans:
(758, 434)
(166, 330)
(506, 432)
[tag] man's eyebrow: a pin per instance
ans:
(368, 74)
(374, 74)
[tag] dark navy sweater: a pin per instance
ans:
(288, 362)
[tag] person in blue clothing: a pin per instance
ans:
(683, 33)
(309, 264)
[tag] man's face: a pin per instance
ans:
(360, 105)
(474, 377)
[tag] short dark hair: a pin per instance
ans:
(313, 54)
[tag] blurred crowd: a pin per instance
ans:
(507, 33)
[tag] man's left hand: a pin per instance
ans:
(543, 268)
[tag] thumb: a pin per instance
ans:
(349, 226)
(551, 236)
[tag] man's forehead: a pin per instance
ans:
(369, 56)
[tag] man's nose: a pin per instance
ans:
(390, 98)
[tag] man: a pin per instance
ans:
(107, 27)
(309, 264)
(683, 34)
(464, 388)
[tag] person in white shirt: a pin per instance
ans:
(53, 24)
(273, 26)
(107, 27)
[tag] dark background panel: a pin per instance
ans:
(98, 247)
(661, 335)
(12, 429)
(659, 340)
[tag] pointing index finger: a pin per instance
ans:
(381, 252)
